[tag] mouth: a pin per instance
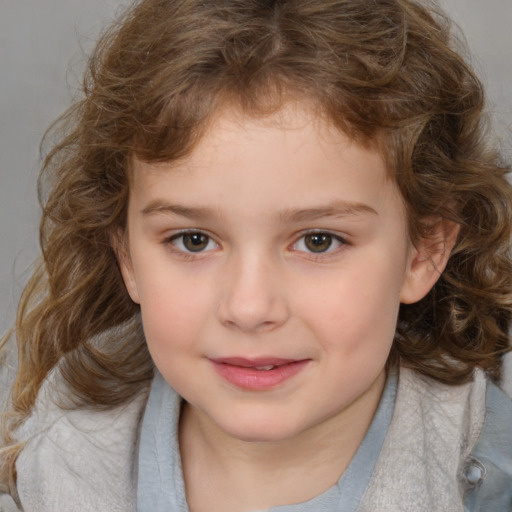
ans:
(258, 374)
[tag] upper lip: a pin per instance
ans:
(254, 363)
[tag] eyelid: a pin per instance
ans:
(169, 241)
(341, 240)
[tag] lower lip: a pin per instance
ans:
(258, 380)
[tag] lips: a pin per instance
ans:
(257, 374)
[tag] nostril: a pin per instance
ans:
(246, 326)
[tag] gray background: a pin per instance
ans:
(43, 44)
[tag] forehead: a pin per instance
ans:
(269, 166)
(297, 129)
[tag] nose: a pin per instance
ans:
(254, 295)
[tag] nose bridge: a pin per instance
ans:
(254, 297)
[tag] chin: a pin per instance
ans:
(260, 431)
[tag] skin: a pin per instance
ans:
(258, 287)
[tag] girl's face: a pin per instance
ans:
(269, 266)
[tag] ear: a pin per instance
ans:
(121, 248)
(428, 259)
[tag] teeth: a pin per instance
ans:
(265, 368)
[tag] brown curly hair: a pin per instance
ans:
(380, 70)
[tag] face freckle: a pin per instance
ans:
(283, 318)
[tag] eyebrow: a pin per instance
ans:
(336, 208)
(159, 206)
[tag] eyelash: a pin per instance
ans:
(333, 239)
(183, 251)
(186, 253)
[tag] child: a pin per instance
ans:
(276, 272)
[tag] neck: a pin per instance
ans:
(251, 475)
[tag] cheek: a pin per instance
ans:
(174, 310)
(356, 311)
(173, 321)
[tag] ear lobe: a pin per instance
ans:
(120, 245)
(428, 260)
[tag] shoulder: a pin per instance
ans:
(431, 440)
(488, 470)
(485, 426)
(8, 366)
(79, 456)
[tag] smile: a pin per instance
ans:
(257, 374)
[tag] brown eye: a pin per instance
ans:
(318, 242)
(195, 242)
